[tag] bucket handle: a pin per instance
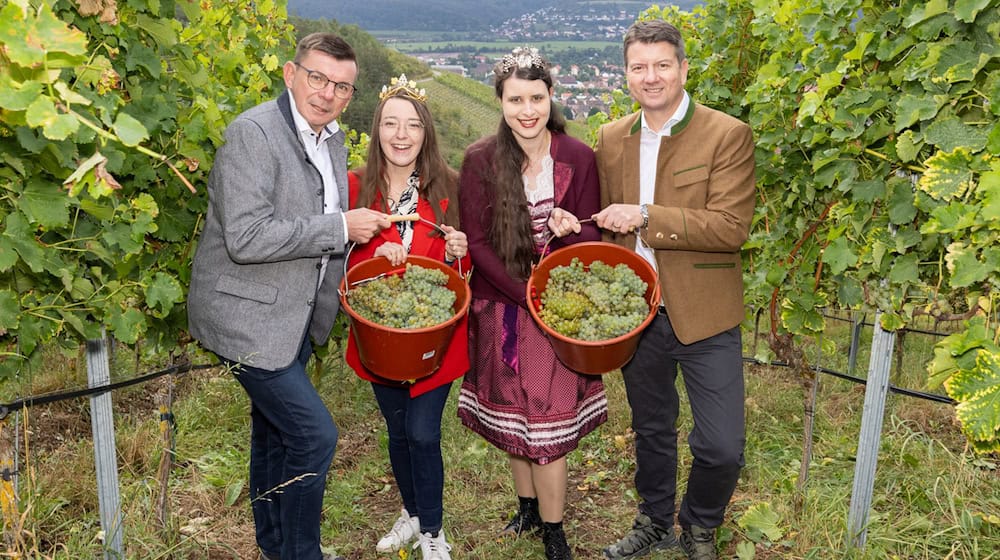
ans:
(395, 218)
(552, 236)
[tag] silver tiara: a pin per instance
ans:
(520, 57)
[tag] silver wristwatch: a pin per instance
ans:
(644, 212)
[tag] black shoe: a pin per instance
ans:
(698, 543)
(556, 547)
(644, 537)
(522, 524)
(526, 521)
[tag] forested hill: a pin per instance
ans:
(450, 15)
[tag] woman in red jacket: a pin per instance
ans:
(405, 174)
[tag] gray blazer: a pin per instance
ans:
(254, 279)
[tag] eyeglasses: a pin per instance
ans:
(318, 81)
(391, 126)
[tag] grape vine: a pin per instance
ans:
(110, 114)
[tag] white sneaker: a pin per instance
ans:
(433, 548)
(404, 530)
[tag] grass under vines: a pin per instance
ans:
(932, 499)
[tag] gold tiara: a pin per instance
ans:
(403, 87)
(520, 57)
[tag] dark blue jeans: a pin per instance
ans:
(292, 440)
(712, 370)
(414, 426)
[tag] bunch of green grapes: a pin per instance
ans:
(598, 302)
(418, 298)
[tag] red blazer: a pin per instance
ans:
(455, 362)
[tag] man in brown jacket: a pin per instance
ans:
(677, 186)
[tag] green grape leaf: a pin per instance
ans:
(85, 329)
(891, 321)
(964, 265)
(9, 311)
(948, 174)
(55, 126)
(121, 235)
(867, 191)
(27, 39)
(993, 140)
(952, 218)
(942, 366)
(761, 517)
(142, 56)
(951, 133)
(839, 256)
(925, 12)
(904, 269)
(70, 96)
(128, 325)
(17, 97)
(45, 203)
(978, 391)
(129, 130)
(911, 109)
(20, 237)
(8, 256)
(902, 209)
(163, 292)
(967, 10)
(160, 29)
(861, 42)
(908, 146)
(850, 292)
(989, 190)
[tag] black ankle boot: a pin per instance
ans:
(556, 547)
(526, 521)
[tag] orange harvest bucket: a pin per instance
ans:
(402, 354)
(598, 356)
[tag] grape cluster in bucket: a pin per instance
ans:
(595, 302)
(417, 298)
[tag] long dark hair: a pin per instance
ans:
(437, 180)
(510, 232)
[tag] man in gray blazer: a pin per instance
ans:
(264, 281)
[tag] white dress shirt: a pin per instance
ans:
(320, 156)
(649, 151)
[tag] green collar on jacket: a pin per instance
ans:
(677, 128)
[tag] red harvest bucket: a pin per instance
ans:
(598, 356)
(403, 354)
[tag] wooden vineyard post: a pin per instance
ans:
(105, 457)
(876, 388)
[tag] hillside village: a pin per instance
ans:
(584, 75)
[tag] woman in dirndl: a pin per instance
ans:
(519, 188)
